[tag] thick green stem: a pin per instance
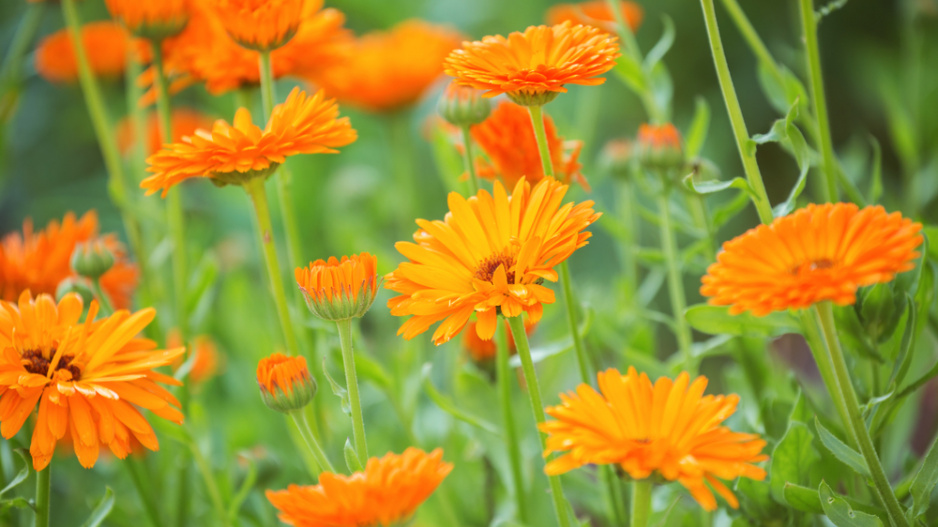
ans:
(540, 134)
(504, 373)
(747, 153)
(569, 300)
(675, 282)
(534, 392)
(146, 494)
(641, 503)
(470, 166)
(812, 333)
(302, 424)
(351, 381)
(11, 74)
(615, 508)
(855, 423)
(101, 297)
(258, 194)
(43, 496)
(813, 59)
(630, 241)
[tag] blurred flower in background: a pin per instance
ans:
(185, 122)
(596, 13)
(106, 45)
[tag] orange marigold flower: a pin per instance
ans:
(659, 146)
(40, 261)
(818, 253)
(668, 428)
(596, 13)
(261, 25)
(184, 122)
(533, 67)
(507, 138)
(483, 351)
(87, 378)
(233, 155)
(151, 19)
(385, 494)
(206, 363)
(106, 46)
(488, 256)
(390, 70)
(285, 382)
(339, 289)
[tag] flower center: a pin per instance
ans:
(35, 362)
(487, 267)
(815, 265)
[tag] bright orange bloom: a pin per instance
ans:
(339, 289)
(507, 138)
(40, 261)
(207, 359)
(386, 494)
(153, 19)
(285, 382)
(489, 255)
(534, 66)
(596, 13)
(235, 154)
(184, 122)
(485, 350)
(87, 378)
(260, 25)
(390, 70)
(660, 146)
(106, 45)
(668, 428)
(818, 253)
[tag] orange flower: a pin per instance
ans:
(390, 70)
(106, 45)
(668, 428)
(87, 378)
(285, 382)
(534, 66)
(40, 261)
(261, 25)
(207, 359)
(151, 19)
(489, 255)
(235, 154)
(596, 13)
(184, 122)
(485, 350)
(659, 146)
(818, 253)
(507, 138)
(386, 494)
(339, 289)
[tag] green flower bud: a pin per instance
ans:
(92, 259)
(659, 147)
(463, 106)
(285, 383)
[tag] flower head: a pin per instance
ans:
(463, 106)
(389, 70)
(534, 66)
(184, 122)
(151, 19)
(488, 256)
(261, 25)
(668, 428)
(285, 382)
(818, 253)
(89, 379)
(339, 289)
(385, 494)
(236, 154)
(596, 13)
(92, 259)
(106, 45)
(41, 261)
(659, 146)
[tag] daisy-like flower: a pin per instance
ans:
(285, 382)
(668, 428)
(261, 25)
(596, 13)
(185, 122)
(533, 67)
(385, 494)
(106, 46)
(151, 19)
(488, 256)
(233, 155)
(339, 289)
(88, 379)
(41, 261)
(390, 70)
(818, 253)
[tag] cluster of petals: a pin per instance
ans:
(151, 18)
(385, 494)
(596, 13)
(488, 256)
(89, 379)
(279, 372)
(106, 46)
(184, 122)
(337, 289)
(260, 24)
(232, 154)
(818, 253)
(668, 428)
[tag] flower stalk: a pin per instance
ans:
(675, 281)
(504, 374)
(302, 425)
(470, 166)
(43, 496)
(641, 503)
(351, 381)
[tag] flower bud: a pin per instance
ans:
(92, 259)
(463, 105)
(339, 289)
(879, 309)
(285, 383)
(533, 98)
(617, 156)
(75, 285)
(659, 146)
(151, 20)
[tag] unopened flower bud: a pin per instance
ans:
(339, 289)
(617, 156)
(659, 146)
(92, 259)
(463, 105)
(77, 286)
(151, 20)
(285, 382)
(879, 309)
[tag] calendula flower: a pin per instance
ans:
(463, 106)
(41, 261)
(668, 428)
(390, 70)
(339, 289)
(483, 351)
(261, 25)
(233, 155)
(507, 138)
(207, 359)
(818, 253)
(659, 146)
(596, 13)
(106, 46)
(184, 122)
(488, 256)
(534, 66)
(385, 494)
(285, 382)
(89, 379)
(151, 19)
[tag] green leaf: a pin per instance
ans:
(876, 176)
(351, 457)
(717, 320)
(788, 135)
(631, 73)
(841, 451)
(244, 490)
(448, 406)
(101, 510)
(924, 482)
(372, 370)
(664, 44)
(697, 132)
(802, 498)
(15, 503)
(725, 212)
(840, 513)
(709, 187)
(338, 390)
(22, 474)
(792, 459)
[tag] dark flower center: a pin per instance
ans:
(486, 269)
(35, 362)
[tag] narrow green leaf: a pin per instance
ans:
(802, 498)
(697, 132)
(709, 187)
(664, 44)
(351, 457)
(372, 370)
(338, 390)
(631, 73)
(101, 510)
(243, 490)
(448, 406)
(15, 503)
(841, 514)
(724, 213)
(841, 451)
(717, 320)
(22, 474)
(924, 482)
(793, 459)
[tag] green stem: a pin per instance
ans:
(627, 37)
(351, 380)
(813, 59)
(504, 373)
(675, 282)
(626, 213)
(470, 166)
(11, 74)
(748, 155)
(102, 298)
(812, 333)
(258, 194)
(613, 498)
(43, 496)
(641, 503)
(302, 424)
(534, 393)
(540, 134)
(211, 485)
(569, 300)
(146, 495)
(825, 315)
